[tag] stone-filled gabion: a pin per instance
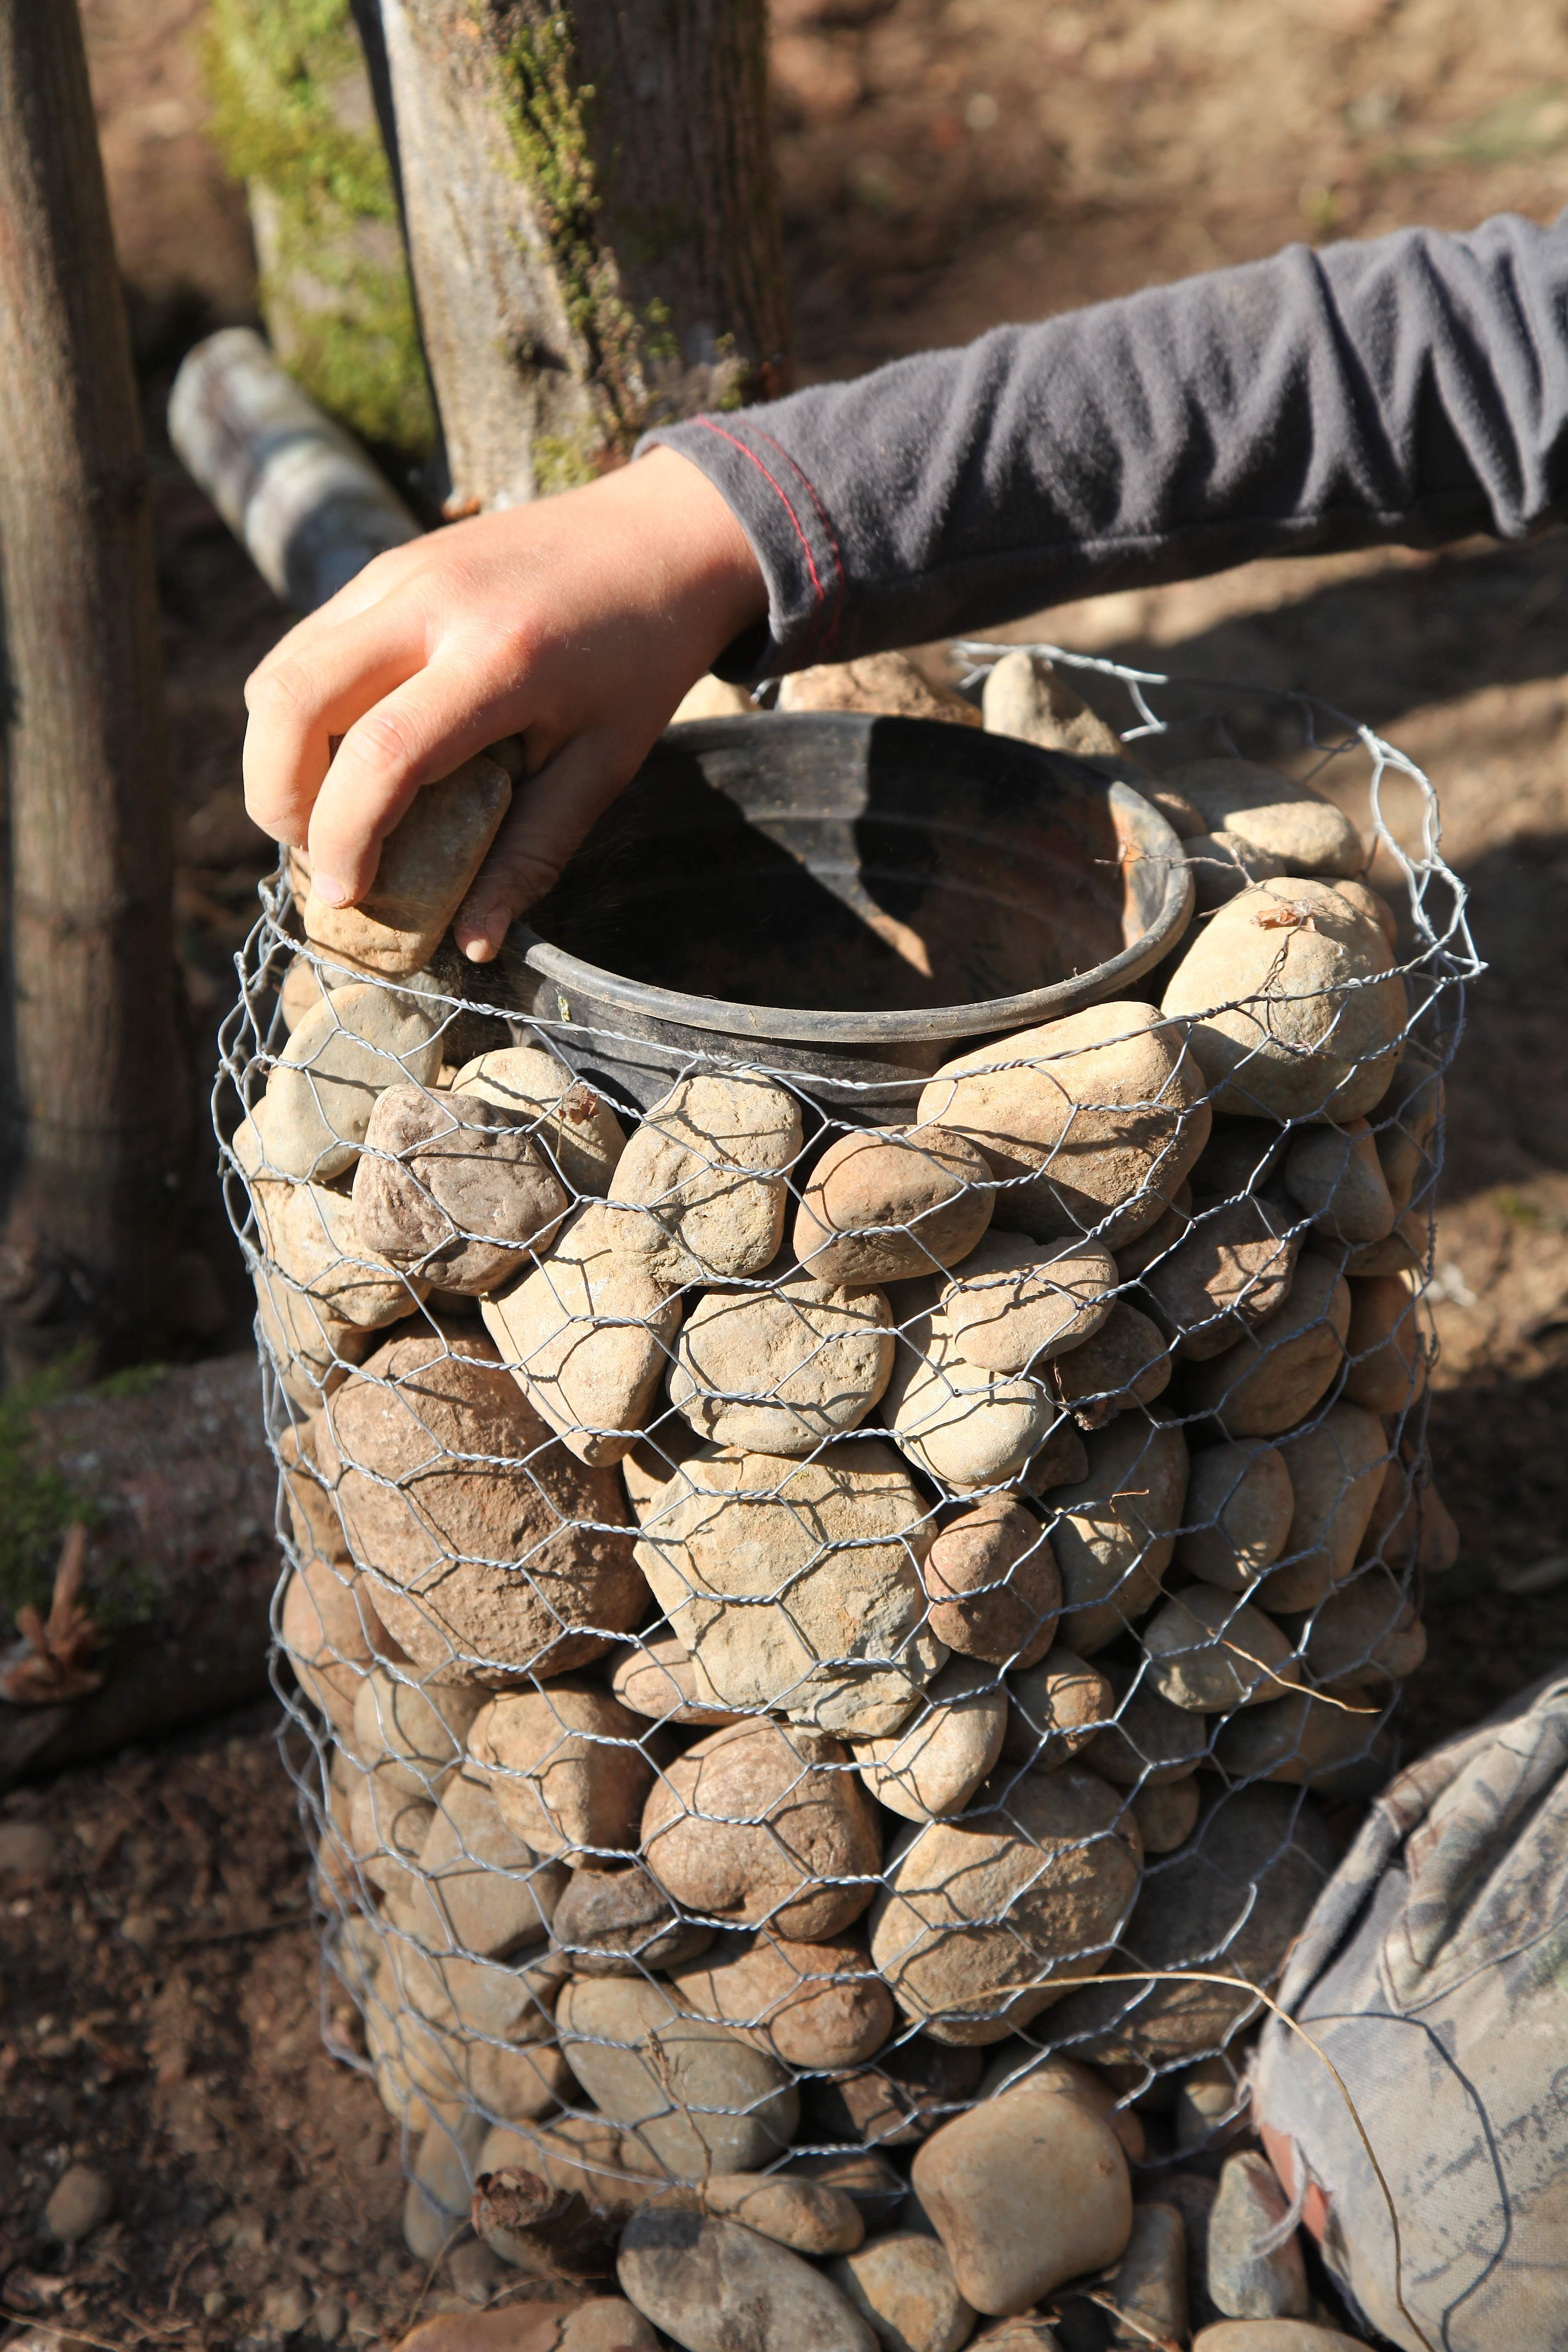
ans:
(777, 1600)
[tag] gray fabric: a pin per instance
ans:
(1434, 1971)
(1414, 388)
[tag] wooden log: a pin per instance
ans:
(591, 224)
(99, 1128)
(299, 495)
(182, 1557)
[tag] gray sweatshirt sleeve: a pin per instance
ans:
(1415, 388)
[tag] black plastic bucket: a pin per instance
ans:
(851, 898)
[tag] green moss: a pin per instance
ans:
(562, 464)
(38, 1502)
(546, 110)
(334, 286)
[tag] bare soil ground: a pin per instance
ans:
(944, 166)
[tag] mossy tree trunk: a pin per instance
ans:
(98, 1134)
(591, 223)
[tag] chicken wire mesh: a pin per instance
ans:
(775, 1600)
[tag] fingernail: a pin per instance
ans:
(327, 888)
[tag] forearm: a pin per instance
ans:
(1413, 389)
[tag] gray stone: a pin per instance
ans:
(619, 1923)
(717, 2287)
(1150, 2283)
(1246, 2282)
(79, 2203)
(903, 2285)
(691, 2094)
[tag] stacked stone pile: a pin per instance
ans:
(787, 1609)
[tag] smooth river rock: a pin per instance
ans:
(815, 2005)
(994, 1588)
(903, 2285)
(699, 1191)
(355, 1043)
(1243, 2281)
(713, 2286)
(933, 1765)
(453, 1189)
(691, 2094)
(783, 1370)
(575, 1129)
(889, 1205)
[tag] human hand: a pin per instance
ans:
(577, 623)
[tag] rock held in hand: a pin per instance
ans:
(427, 862)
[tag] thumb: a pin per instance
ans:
(551, 812)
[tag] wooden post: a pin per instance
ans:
(592, 222)
(98, 1132)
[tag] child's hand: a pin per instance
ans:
(577, 623)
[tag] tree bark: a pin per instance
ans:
(592, 224)
(100, 1131)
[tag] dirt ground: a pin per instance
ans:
(942, 167)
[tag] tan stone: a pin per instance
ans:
(567, 1770)
(1407, 1122)
(1149, 2285)
(1209, 1652)
(1407, 1249)
(692, 2095)
(387, 1827)
(1126, 1363)
(412, 1731)
(1368, 901)
(1336, 1471)
(810, 2215)
(1230, 1270)
(454, 2069)
(1291, 1002)
(1025, 2192)
(620, 1923)
(887, 1204)
(992, 1579)
(358, 1041)
(1274, 1377)
(963, 1426)
(1015, 1302)
(1273, 812)
(510, 2002)
(448, 1186)
(329, 1627)
(714, 697)
(1224, 864)
(1166, 1812)
(1242, 1885)
(657, 1679)
(1335, 1177)
(782, 1370)
(933, 1766)
(1150, 1740)
(312, 1349)
(761, 1822)
(1055, 1710)
(903, 2285)
(576, 1130)
(1116, 1531)
(480, 1891)
(1274, 2336)
(313, 1521)
(308, 1231)
(815, 2004)
(480, 1560)
(871, 2181)
(981, 1923)
(1386, 1345)
(887, 685)
(427, 862)
(587, 1335)
(699, 1189)
(581, 2153)
(1024, 695)
(1015, 2062)
(827, 1554)
(1094, 1119)
(1236, 1517)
